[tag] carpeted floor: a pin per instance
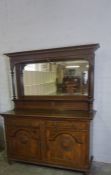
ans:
(26, 169)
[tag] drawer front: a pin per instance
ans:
(23, 121)
(70, 125)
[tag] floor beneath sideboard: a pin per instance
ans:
(26, 169)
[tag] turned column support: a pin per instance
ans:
(13, 83)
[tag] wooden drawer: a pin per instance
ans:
(23, 121)
(70, 125)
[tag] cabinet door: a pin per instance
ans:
(67, 144)
(23, 139)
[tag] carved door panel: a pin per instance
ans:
(66, 146)
(24, 142)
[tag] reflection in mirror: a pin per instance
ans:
(56, 78)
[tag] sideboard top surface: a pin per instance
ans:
(51, 114)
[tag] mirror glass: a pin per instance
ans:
(56, 78)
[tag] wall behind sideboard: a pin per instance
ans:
(29, 25)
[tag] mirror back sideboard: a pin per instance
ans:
(51, 123)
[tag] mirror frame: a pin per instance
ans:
(19, 59)
(59, 87)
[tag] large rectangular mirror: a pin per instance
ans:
(56, 78)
